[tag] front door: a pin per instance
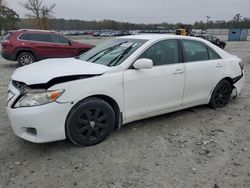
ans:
(62, 47)
(150, 90)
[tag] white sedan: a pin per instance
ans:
(122, 80)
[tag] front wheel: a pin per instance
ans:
(90, 122)
(25, 58)
(221, 94)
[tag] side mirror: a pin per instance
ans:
(70, 43)
(143, 64)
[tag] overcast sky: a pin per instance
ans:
(144, 11)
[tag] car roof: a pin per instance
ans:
(35, 31)
(159, 36)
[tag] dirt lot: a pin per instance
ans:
(193, 148)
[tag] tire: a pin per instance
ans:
(221, 94)
(25, 58)
(90, 122)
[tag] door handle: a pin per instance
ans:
(179, 71)
(219, 65)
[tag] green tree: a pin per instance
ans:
(8, 17)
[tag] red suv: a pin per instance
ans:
(28, 46)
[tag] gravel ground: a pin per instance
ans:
(193, 148)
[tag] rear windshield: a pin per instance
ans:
(7, 36)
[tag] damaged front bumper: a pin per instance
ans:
(38, 124)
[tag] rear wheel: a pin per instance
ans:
(25, 58)
(221, 94)
(90, 122)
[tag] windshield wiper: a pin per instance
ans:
(118, 58)
(107, 50)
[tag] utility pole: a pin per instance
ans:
(208, 17)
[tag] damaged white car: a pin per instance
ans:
(122, 80)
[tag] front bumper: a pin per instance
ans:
(48, 121)
(40, 124)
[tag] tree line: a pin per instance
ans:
(236, 22)
(41, 16)
(63, 24)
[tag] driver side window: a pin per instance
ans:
(163, 53)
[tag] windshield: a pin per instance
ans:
(112, 52)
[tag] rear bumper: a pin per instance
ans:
(239, 83)
(8, 56)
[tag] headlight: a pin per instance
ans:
(38, 97)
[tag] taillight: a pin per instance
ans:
(241, 65)
(6, 41)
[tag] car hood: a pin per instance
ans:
(46, 70)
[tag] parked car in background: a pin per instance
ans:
(97, 33)
(214, 40)
(122, 80)
(28, 46)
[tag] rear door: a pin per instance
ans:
(204, 69)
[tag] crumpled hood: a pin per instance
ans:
(46, 70)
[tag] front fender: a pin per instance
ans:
(110, 85)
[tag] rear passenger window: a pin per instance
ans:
(163, 53)
(213, 54)
(40, 37)
(194, 51)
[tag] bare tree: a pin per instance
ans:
(39, 12)
(46, 13)
(34, 7)
(208, 17)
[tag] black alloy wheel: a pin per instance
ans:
(221, 94)
(90, 122)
